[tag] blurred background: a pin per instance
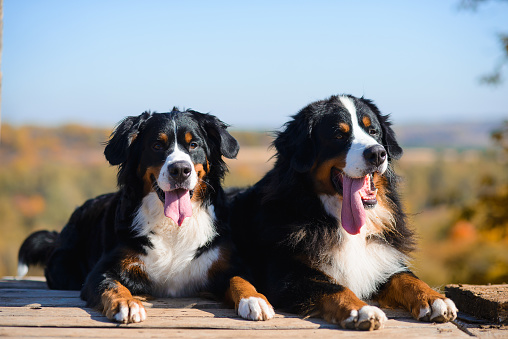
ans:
(73, 69)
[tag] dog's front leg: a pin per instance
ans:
(407, 291)
(110, 285)
(248, 302)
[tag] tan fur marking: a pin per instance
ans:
(221, 265)
(164, 138)
(201, 187)
(132, 138)
(147, 180)
(321, 173)
(366, 121)
(409, 292)
(344, 128)
(188, 137)
(200, 170)
(133, 266)
(337, 307)
(239, 289)
(113, 299)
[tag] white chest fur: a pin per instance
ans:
(357, 263)
(171, 264)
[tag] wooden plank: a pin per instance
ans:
(15, 293)
(483, 301)
(216, 319)
(28, 283)
(431, 331)
(164, 321)
(163, 318)
(42, 302)
(490, 331)
(62, 299)
(37, 311)
(34, 310)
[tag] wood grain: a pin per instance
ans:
(29, 309)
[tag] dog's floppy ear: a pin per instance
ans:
(389, 141)
(217, 131)
(295, 144)
(120, 141)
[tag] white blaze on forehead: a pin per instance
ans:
(355, 161)
(176, 155)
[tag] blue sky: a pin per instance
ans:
(252, 63)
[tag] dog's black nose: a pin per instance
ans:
(180, 170)
(375, 155)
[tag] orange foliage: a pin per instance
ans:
(463, 231)
(30, 206)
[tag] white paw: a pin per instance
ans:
(130, 314)
(368, 318)
(254, 308)
(441, 311)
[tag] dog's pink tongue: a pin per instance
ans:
(178, 205)
(353, 214)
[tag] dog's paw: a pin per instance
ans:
(126, 311)
(367, 318)
(440, 311)
(254, 308)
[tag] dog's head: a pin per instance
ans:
(177, 155)
(345, 144)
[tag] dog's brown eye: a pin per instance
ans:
(372, 131)
(193, 145)
(339, 136)
(157, 146)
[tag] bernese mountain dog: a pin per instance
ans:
(330, 221)
(164, 233)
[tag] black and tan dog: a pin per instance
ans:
(164, 233)
(330, 221)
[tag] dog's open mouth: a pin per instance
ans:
(358, 194)
(177, 204)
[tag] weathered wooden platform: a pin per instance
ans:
(29, 309)
(488, 302)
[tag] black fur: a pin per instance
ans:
(36, 249)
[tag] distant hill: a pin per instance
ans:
(440, 136)
(446, 135)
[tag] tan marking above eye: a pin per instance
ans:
(188, 137)
(366, 121)
(344, 128)
(164, 138)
